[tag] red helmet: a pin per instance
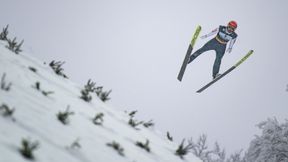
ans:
(232, 24)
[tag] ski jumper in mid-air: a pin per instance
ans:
(224, 35)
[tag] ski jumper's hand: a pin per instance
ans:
(203, 36)
(229, 49)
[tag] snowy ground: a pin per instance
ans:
(35, 118)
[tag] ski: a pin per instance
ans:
(188, 53)
(226, 72)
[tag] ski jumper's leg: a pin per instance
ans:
(220, 51)
(208, 46)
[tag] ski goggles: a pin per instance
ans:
(230, 28)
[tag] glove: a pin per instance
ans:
(229, 50)
(203, 36)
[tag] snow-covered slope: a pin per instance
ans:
(35, 118)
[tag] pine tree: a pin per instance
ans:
(28, 147)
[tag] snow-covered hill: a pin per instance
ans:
(35, 119)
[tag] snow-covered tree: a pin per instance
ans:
(201, 150)
(272, 145)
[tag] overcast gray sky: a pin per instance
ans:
(136, 49)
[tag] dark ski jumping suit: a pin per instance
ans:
(217, 44)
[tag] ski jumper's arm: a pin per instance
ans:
(229, 49)
(211, 33)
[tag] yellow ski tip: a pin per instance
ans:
(195, 35)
